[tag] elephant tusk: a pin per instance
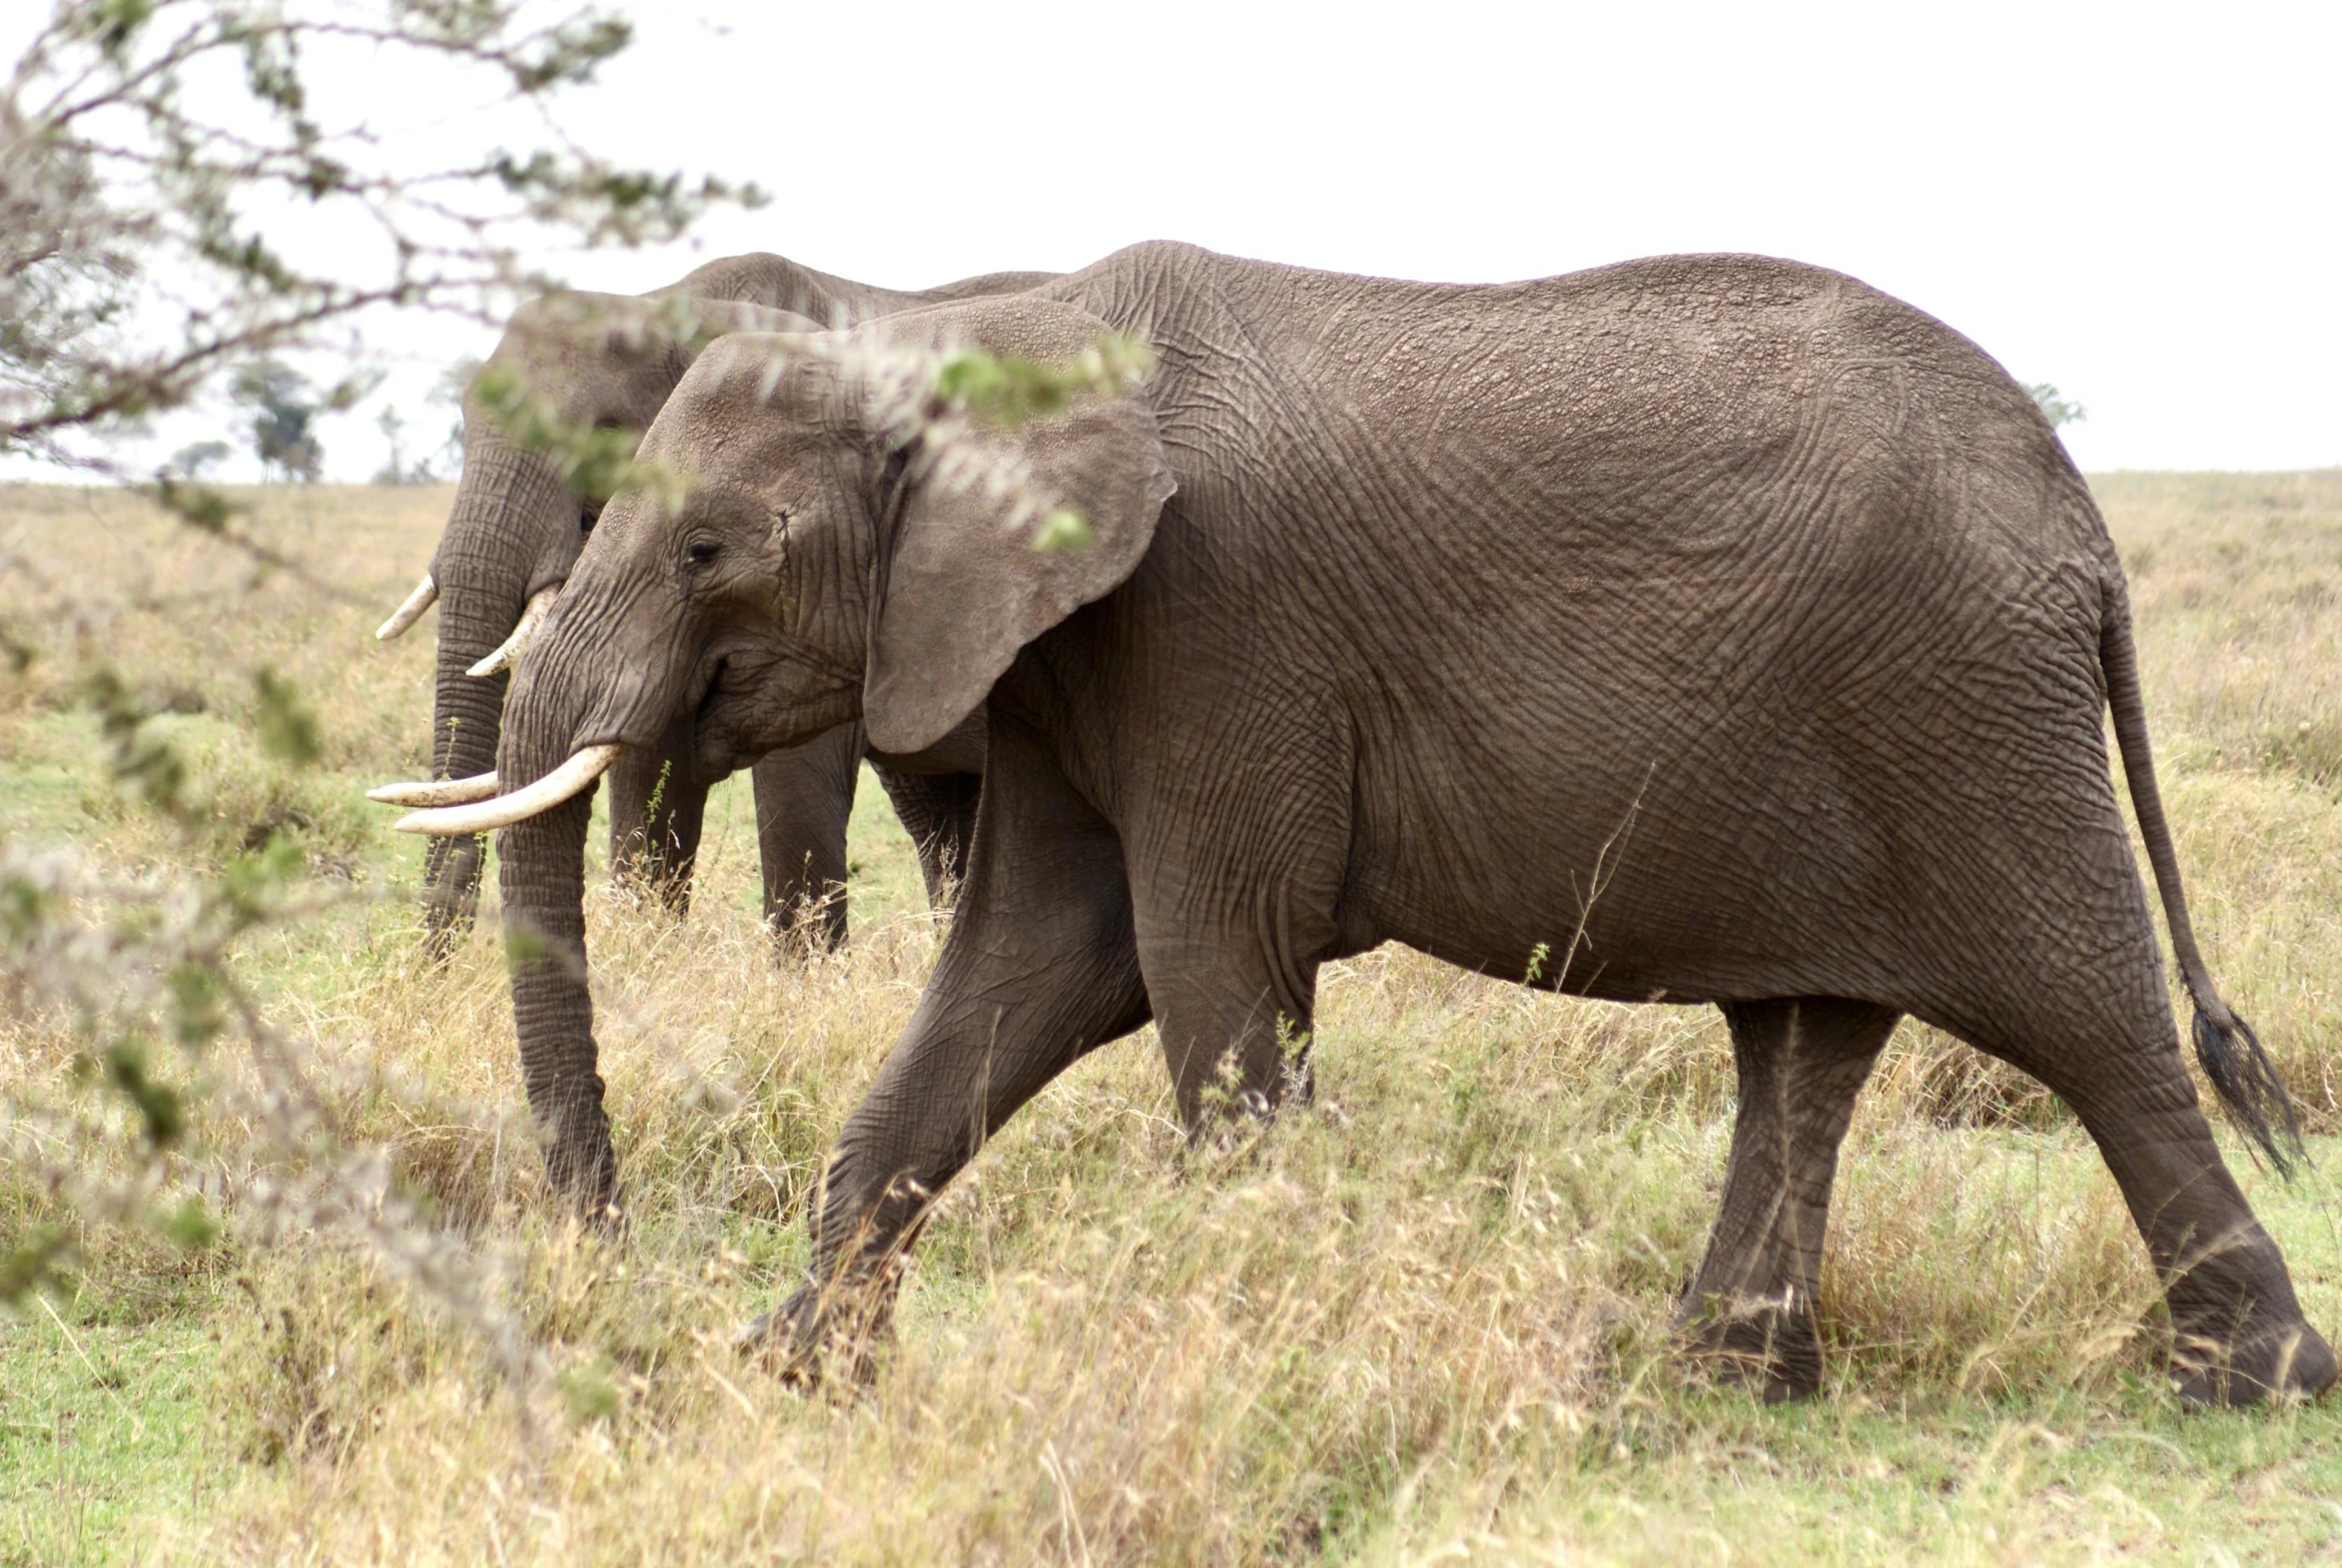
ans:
(508, 652)
(425, 593)
(436, 792)
(585, 765)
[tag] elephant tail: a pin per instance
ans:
(2231, 1054)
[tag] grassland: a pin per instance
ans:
(1423, 1321)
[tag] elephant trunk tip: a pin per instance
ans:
(2249, 1085)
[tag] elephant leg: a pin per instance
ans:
(658, 805)
(1235, 996)
(1040, 968)
(1235, 1024)
(938, 810)
(804, 798)
(2239, 1330)
(1800, 1062)
(450, 892)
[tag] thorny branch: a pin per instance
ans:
(162, 162)
(156, 157)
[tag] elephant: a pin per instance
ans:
(513, 534)
(1742, 620)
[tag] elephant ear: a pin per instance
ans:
(962, 584)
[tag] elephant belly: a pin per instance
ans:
(1697, 843)
(1612, 891)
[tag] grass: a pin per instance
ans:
(1425, 1320)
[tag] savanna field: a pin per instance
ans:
(1425, 1319)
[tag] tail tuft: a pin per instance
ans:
(2248, 1085)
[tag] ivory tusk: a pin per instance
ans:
(508, 652)
(406, 615)
(585, 765)
(436, 792)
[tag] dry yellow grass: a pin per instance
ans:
(1425, 1320)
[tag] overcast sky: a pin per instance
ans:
(2139, 205)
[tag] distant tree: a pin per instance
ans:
(454, 382)
(283, 406)
(153, 154)
(396, 469)
(188, 463)
(2057, 409)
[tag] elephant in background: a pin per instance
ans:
(513, 536)
(1761, 601)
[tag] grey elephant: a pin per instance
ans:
(1756, 598)
(513, 536)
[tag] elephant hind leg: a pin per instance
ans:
(1234, 995)
(1800, 1062)
(2239, 1330)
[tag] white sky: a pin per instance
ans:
(2141, 205)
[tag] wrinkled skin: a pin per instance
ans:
(1745, 622)
(515, 529)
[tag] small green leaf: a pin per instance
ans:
(191, 1226)
(288, 729)
(197, 1009)
(588, 1391)
(35, 1262)
(158, 1103)
(142, 765)
(198, 506)
(1006, 389)
(23, 907)
(1062, 529)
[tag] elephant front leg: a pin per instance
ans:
(1800, 1063)
(804, 799)
(1040, 968)
(658, 806)
(450, 892)
(1235, 1010)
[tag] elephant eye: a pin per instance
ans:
(700, 552)
(589, 513)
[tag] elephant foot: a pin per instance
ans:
(840, 1326)
(2292, 1361)
(584, 1171)
(1762, 1345)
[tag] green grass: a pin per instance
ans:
(100, 1430)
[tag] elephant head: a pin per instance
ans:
(825, 564)
(606, 362)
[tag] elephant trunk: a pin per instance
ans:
(484, 571)
(464, 716)
(542, 872)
